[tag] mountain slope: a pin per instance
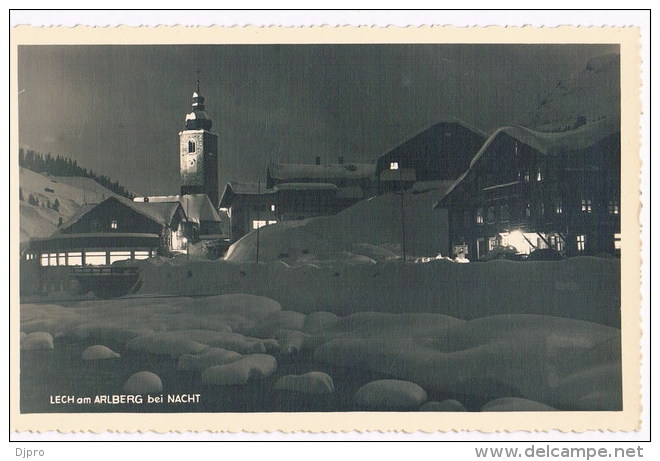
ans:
(589, 95)
(71, 193)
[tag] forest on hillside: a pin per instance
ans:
(62, 166)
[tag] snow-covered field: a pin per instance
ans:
(436, 336)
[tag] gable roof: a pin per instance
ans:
(234, 188)
(162, 213)
(551, 144)
(197, 207)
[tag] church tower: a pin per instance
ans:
(198, 153)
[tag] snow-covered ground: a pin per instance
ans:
(233, 340)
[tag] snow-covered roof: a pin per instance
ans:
(553, 144)
(305, 186)
(248, 188)
(197, 207)
(295, 171)
(162, 213)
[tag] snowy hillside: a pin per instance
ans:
(368, 231)
(70, 192)
(588, 95)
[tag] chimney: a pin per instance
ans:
(341, 160)
(318, 160)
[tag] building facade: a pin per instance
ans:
(249, 207)
(526, 190)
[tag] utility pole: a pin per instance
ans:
(403, 220)
(258, 216)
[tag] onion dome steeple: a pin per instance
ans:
(198, 119)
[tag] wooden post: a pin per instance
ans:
(258, 216)
(403, 220)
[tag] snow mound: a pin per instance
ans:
(97, 331)
(250, 367)
(448, 405)
(515, 404)
(143, 382)
(282, 320)
(291, 342)
(99, 352)
(174, 344)
(390, 394)
(314, 382)
(37, 341)
(210, 357)
(366, 232)
(238, 343)
(318, 322)
(566, 364)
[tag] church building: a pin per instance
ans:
(198, 153)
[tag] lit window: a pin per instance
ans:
(617, 241)
(113, 224)
(44, 260)
(272, 208)
(558, 207)
(613, 207)
(53, 259)
(272, 222)
(119, 256)
(586, 205)
(258, 223)
(581, 241)
(61, 259)
(141, 254)
(191, 147)
(95, 258)
(539, 175)
(526, 177)
(74, 259)
(480, 215)
(394, 165)
(492, 243)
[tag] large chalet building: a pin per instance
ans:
(533, 190)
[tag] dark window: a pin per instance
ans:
(191, 147)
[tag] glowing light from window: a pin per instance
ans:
(394, 165)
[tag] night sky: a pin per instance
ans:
(118, 109)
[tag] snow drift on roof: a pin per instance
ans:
(198, 207)
(554, 144)
(305, 186)
(248, 188)
(287, 172)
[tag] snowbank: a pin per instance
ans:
(371, 228)
(314, 382)
(37, 341)
(585, 288)
(143, 382)
(250, 367)
(560, 362)
(99, 352)
(208, 358)
(390, 394)
(448, 405)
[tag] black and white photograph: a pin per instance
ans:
(432, 229)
